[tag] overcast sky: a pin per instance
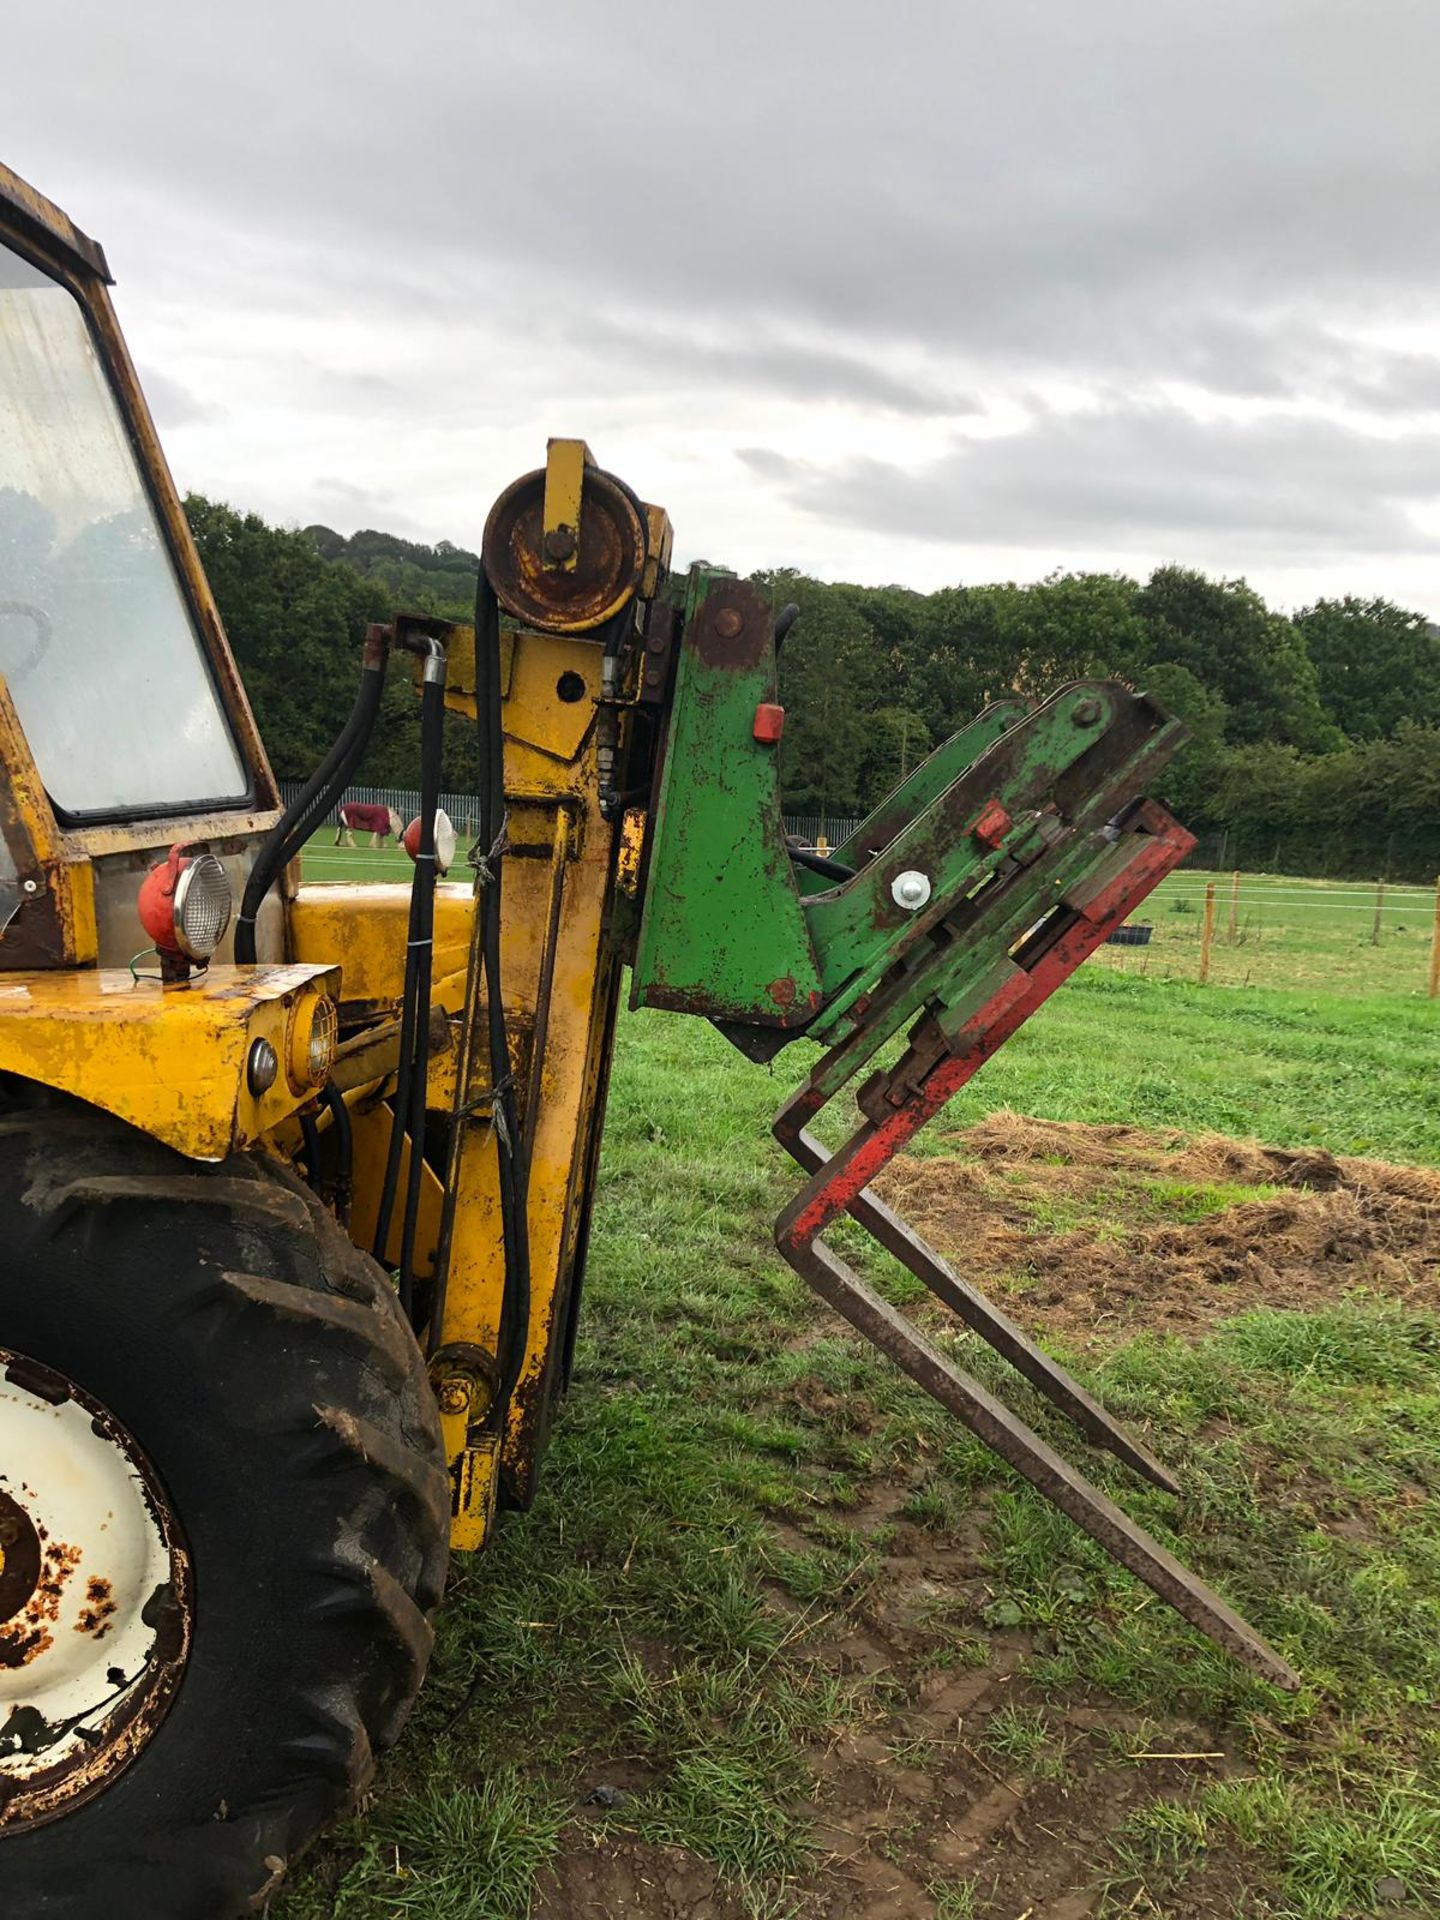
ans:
(909, 290)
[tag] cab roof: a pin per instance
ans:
(25, 210)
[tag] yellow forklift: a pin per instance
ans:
(296, 1179)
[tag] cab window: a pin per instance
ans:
(97, 643)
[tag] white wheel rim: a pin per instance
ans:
(94, 1596)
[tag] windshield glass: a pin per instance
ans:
(96, 641)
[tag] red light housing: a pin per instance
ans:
(184, 906)
(157, 901)
(444, 840)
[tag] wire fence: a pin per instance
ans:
(1248, 929)
(1211, 928)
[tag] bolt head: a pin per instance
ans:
(910, 889)
(728, 622)
(1086, 713)
(559, 543)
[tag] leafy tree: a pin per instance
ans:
(1187, 785)
(832, 677)
(296, 623)
(1315, 741)
(1375, 664)
(1222, 631)
(897, 741)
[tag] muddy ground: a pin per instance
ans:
(1087, 1234)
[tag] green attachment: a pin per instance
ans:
(723, 932)
(955, 868)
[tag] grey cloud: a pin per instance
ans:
(761, 358)
(172, 403)
(1143, 478)
(898, 210)
(1086, 185)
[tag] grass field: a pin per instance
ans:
(1292, 933)
(778, 1639)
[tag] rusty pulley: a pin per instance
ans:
(565, 546)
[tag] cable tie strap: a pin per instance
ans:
(486, 864)
(419, 943)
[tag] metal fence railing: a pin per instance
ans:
(461, 807)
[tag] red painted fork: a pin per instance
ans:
(840, 1182)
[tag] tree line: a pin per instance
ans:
(1315, 737)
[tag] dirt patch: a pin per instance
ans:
(605, 1876)
(1094, 1228)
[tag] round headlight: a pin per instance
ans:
(262, 1069)
(313, 1040)
(202, 907)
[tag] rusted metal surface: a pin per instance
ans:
(947, 1047)
(95, 1597)
(601, 575)
(40, 220)
(982, 1316)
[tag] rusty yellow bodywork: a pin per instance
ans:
(170, 1061)
(79, 1015)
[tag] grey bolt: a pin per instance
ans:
(910, 889)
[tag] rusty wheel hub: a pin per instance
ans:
(94, 1596)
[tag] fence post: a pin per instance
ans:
(1207, 934)
(1435, 948)
(1379, 909)
(1233, 931)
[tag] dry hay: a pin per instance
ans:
(1080, 1224)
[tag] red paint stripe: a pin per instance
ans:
(858, 1163)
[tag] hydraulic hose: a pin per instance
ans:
(334, 1103)
(414, 1060)
(820, 863)
(317, 796)
(512, 1149)
(422, 955)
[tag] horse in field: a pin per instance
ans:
(359, 816)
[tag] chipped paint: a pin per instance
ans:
(92, 1653)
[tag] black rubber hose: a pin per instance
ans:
(318, 795)
(421, 956)
(415, 1005)
(819, 863)
(784, 621)
(513, 1151)
(391, 1181)
(334, 1102)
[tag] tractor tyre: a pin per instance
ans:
(224, 1518)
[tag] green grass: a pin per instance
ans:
(732, 1479)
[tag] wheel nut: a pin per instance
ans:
(910, 889)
